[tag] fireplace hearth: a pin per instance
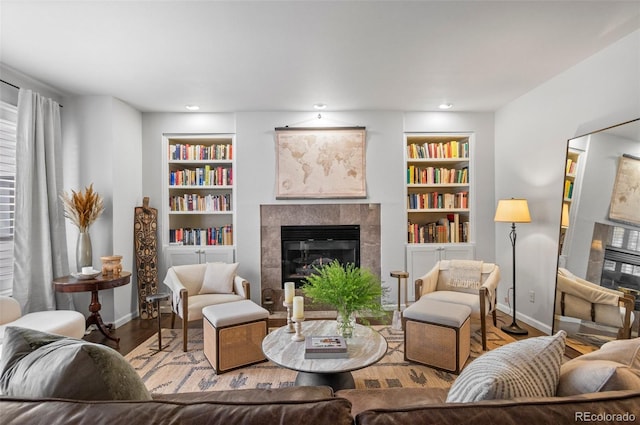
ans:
(305, 248)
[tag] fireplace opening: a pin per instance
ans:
(305, 248)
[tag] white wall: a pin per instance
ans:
(102, 145)
(255, 171)
(531, 136)
(256, 175)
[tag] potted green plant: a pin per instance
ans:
(348, 289)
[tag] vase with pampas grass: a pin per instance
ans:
(83, 209)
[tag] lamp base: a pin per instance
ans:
(514, 329)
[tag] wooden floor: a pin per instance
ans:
(137, 331)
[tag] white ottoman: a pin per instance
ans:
(233, 334)
(61, 322)
(437, 334)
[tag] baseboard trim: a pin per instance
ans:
(542, 327)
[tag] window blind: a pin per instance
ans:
(8, 126)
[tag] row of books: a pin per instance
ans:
(445, 230)
(190, 152)
(416, 201)
(571, 167)
(202, 176)
(568, 189)
(452, 149)
(195, 202)
(436, 175)
(222, 235)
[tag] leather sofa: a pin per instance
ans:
(318, 405)
(599, 387)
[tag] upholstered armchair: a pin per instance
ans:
(475, 287)
(61, 322)
(581, 299)
(196, 286)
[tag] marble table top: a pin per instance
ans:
(365, 348)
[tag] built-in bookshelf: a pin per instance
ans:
(439, 203)
(571, 171)
(438, 187)
(199, 199)
(570, 189)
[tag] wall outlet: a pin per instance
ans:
(532, 296)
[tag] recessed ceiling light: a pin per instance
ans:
(320, 106)
(445, 106)
(192, 107)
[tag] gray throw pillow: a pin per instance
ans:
(37, 364)
(526, 368)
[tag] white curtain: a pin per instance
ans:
(40, 240)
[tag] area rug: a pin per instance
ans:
(174, 371)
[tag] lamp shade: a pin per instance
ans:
(512, 211)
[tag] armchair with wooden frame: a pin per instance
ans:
(436, 284)
(584, 300)
(187, 283)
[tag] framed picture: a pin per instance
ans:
(625, 199)
(320, 163)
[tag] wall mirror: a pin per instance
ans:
(598, 278)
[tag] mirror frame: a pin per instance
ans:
(560, 232)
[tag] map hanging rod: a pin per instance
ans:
(287, 128)
(296, 126)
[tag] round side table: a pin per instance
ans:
(396, 324)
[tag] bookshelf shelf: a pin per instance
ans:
(199, 198)
(438, 210)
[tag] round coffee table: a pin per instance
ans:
(365, 348)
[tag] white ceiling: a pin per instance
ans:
(288, 55)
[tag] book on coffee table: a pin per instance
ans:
(325, 347)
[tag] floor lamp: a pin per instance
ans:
(513, 211)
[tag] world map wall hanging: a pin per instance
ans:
(320, 162)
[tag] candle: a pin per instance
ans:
(289, 291)
(298, 307)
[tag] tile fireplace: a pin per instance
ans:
(361, 222)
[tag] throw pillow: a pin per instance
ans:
(218, 278)
(526, 368)
(38, 364)
(615, 366)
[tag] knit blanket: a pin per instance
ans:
(465, 273)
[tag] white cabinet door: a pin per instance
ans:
(198, 255)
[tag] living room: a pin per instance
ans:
(519, 151)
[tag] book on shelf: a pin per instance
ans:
(446, 230)
(433, 150)
(325, 347)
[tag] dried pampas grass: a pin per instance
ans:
(82, 208)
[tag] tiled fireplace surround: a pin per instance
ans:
(274, 216)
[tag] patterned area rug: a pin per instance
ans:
(174, 371)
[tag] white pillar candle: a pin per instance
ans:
(298, 307)
(289, 292)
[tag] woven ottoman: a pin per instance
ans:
(437, 334)
(233, 334)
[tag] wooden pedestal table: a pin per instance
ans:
(98, 283)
